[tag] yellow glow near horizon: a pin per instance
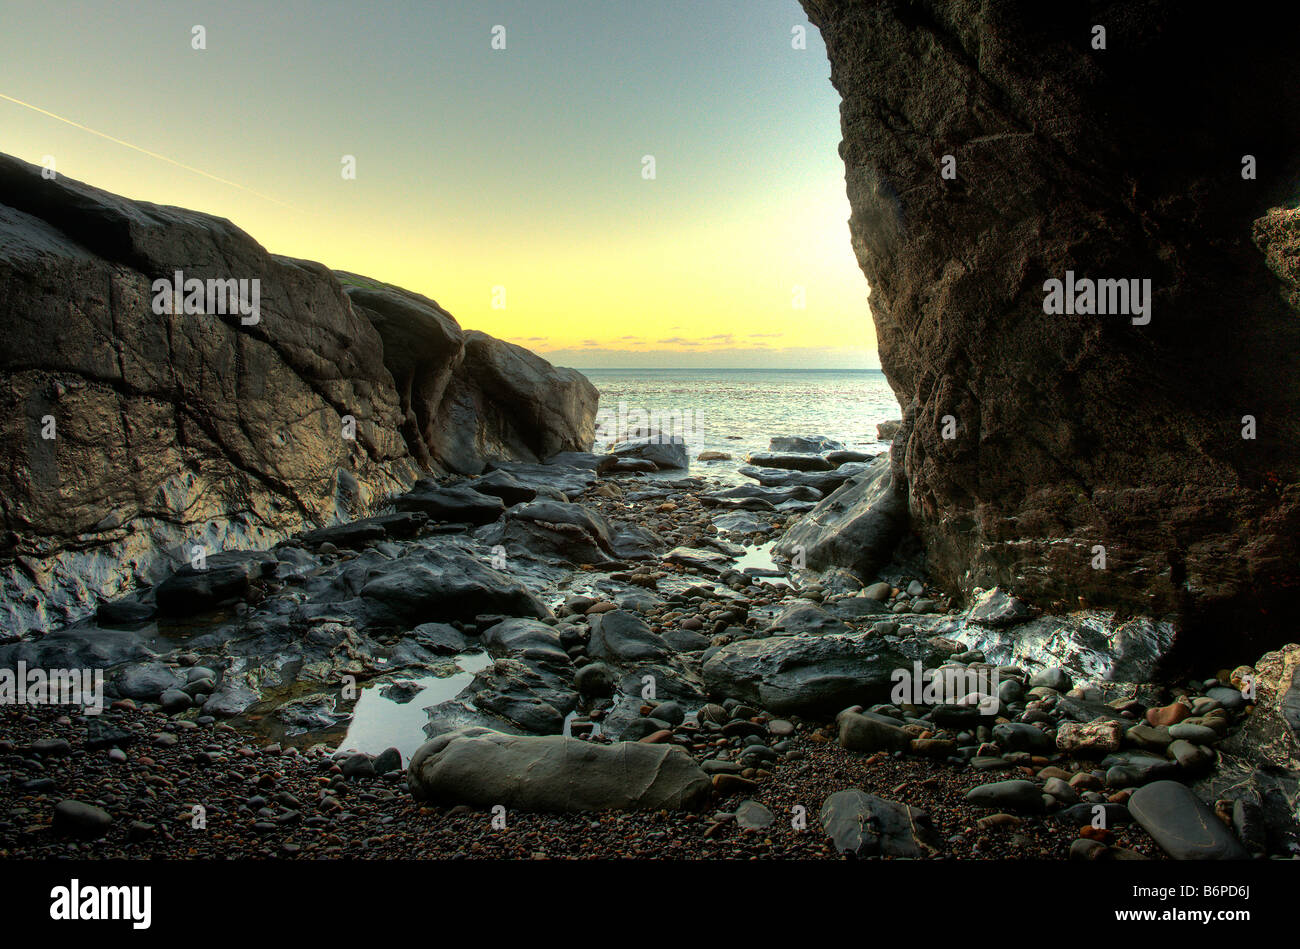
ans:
(519, 171)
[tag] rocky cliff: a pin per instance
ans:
(131, 435)
(990, 147)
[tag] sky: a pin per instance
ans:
(512, 185)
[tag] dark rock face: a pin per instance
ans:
(1082, 430)
(171, 430)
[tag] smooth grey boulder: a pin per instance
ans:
(857, 526)
(78, 819)
(483, 768)
(1018, 736)
(870, 826)
(620, 636)
(1182, 824)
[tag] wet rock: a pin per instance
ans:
(823, 481)
(440, 638)
(788, 460)
(857, 526)
(1016, 736)
(570, 481)
(146, 681)
(525, 637)
(355, 535)
(124, 613)
(1133, 768)
(447, 583)
(1053, 678)
(592, 461)
(504, 485)
(806, 618)
(620, 636)
(997, 609)
(808, 444)
(793, 674)
(457, 503)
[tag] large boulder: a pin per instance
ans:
(483, 768)
(1073, 431)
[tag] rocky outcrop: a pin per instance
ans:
(133, 436)
(465, 396)
(1073, 432)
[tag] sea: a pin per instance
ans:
(737, 411)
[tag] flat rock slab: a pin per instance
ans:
(870, 826)
(809, 673)
(551, 773)
(791, 461)
(1182, 824)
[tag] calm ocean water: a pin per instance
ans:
(739, 410)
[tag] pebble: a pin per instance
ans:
(751, 815)
(78, 819)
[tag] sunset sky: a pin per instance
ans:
(477, 168)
